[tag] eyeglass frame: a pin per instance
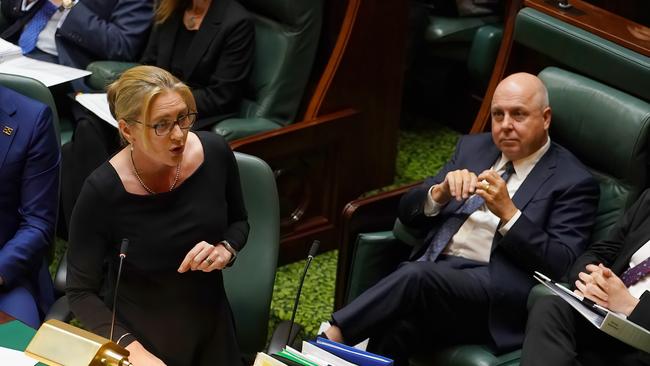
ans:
(175, 122)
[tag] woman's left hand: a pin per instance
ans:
(205, 257)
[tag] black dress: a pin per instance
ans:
(182, 318)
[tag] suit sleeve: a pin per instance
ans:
(411, 206)
(606, 251)
(225, 88)
(641, 313)
(552, 248)
(87, 250)
(119, 38)
(38, 203)
(150, 54)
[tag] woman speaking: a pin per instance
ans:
(176, 196)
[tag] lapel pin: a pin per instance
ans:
(7, 130)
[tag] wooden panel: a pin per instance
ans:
(345, 143)
(600, 22)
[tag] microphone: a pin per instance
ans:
(59, 343)
(310, 257)
(123, 248)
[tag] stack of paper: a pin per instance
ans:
(13, 62)
(322, 352)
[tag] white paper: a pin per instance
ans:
(612, 323)
(98, 104)
(46, 72)
(263, 359)
(9, 50)
(15, 358)
(309, 350)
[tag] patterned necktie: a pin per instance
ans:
(29, 36)
(636, 273)
(449, 228)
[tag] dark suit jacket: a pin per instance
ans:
(29, 167)
(93, 30)
(630, 233)
(218, 62)
(558, 201)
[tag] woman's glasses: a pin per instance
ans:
(163, 128)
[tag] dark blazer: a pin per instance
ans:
(29, 167)
(218, 62)
(631, 232)
(93, 30)
(558, 201)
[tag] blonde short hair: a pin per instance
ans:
(130, 96)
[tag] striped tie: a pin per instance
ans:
(456, 220)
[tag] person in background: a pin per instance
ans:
(176, 196)
(506, 204)
(612, 273)
(208, 45)
(29, 167)
(77, 32)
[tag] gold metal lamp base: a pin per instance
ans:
(60, 344)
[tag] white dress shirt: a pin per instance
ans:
(474, 238)
(46, 41)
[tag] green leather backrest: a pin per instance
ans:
(584, 52)
(608, 131)
(34, 89)
(286, 38)
(249, 282)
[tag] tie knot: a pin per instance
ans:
(509, 168)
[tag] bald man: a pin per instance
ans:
(507, 204)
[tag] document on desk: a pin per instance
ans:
(15, 358)
(98, 105)
(9, 50)
(46, 72)
(609, 322)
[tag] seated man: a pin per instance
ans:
(504, 206)
(77, 32)
(29, 167)
(557, 335)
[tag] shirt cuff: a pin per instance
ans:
(503, 230)
(431, 207)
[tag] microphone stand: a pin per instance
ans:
(310, 257)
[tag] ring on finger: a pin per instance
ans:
(209, 260)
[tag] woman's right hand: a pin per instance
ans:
(139, 356)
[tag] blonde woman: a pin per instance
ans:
(176, 196)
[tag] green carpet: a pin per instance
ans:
(422, 151)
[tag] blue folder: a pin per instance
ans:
(351, 354)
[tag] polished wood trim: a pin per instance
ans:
(500, 66)
(600, 22)
(374, 213)
(348, 112)
(5, 318)
(335, 60)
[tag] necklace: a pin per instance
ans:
(149, 190)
